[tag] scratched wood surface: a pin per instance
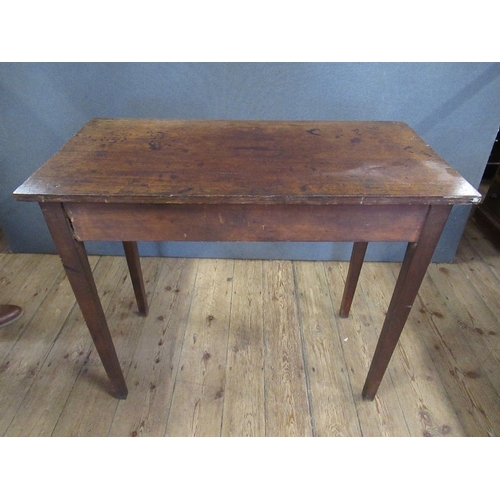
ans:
(252, 348)
(257, 162)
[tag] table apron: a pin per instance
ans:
(233, 222)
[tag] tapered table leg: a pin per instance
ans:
(134, 266)
(417, 258)
(74, 259)
(357, 257)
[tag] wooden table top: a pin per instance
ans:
(261, 162)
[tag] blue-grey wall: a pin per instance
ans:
(455, 107)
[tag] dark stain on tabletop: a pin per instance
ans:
(313, 131)
(155, 143)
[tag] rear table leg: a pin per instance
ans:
(134, 266)
(357, 257)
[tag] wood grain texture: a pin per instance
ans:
(172, 161)
(287, 400)
(136, 180)
(441, 382)
(244, 396)
(359, 333)
(46, 309)
(43, 398)
(420, 395)
(121, 222)
(417, 258)
(88, 411)
(332, 404)
(198, 398)
(247, 181)
(155, 362)
(75, 262)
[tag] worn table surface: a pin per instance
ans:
(135, 180)
(169, 161)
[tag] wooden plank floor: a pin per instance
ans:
(252, 348)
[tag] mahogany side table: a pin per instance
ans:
(135, 180)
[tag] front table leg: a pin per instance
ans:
(417, 258)
(75, 262)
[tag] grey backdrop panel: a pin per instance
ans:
(455, 107)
